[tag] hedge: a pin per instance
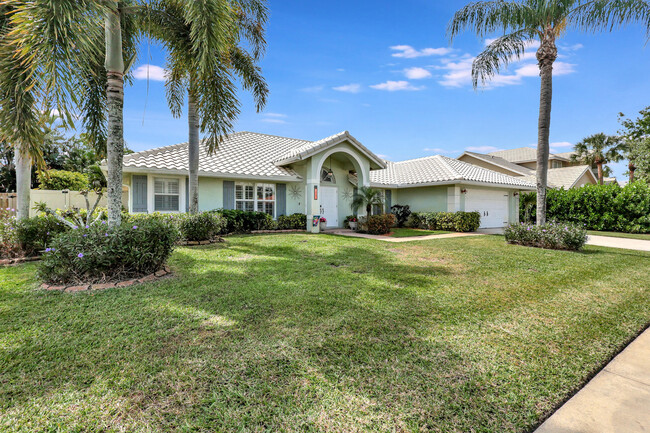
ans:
(61, 179)
(450, 221)
(239, 221)
(297, 221)
(600, 207)
(380, 224)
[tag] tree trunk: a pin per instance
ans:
(23, 181)
(193, 150)
(546, 55)
(114, 63)
(601, 180)
(632, 169)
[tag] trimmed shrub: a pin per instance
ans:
(61, 179)
(557, 236)
(600, 207)
(380, 224)
(203, 226)
(239, 221)
(297, 221)
(401, 213)
(449, 221)
(35, 234)
(98, 254)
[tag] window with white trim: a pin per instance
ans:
(255, 197)
(556, 164)
(166, 195)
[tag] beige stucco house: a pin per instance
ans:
(522, 162)
(282, 176)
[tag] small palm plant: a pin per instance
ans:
(367, 197)
(598, 150)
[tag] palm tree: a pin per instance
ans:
(212, 105)
(635, 132)
(525, 21)
(367, 197)
(598, 150)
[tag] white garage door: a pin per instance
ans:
(491, 204)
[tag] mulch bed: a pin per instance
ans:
(165, 272)
(18, 260)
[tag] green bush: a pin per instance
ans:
(600, 207)
(449, 221)
(401, 213)
(557, 236)
(97, 253)
(9, 246)
(61, 179)
(380, 224)
(297, 221)
(239, 221)
(35, 234)
(203, 226)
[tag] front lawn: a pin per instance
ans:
(642, 236)
(312, 333)
(407, 232)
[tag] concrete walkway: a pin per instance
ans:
(616, 400)
(630, 244)
(347, 232)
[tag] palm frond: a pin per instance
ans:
(487, 17)
(499, 54)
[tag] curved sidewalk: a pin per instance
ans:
(616, 400)
(613, 242)
(353, 234)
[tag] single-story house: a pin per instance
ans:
(282, 176)
(522, 162)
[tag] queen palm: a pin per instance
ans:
(526, 21)
(598, 150)
(367, 197)
(212, 104)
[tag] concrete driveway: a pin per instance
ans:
(629, 244)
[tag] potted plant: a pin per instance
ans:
(352, 222)
(323, 223)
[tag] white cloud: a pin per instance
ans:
(340, 70)
(408, 52)
(393, 86)
(382, 156)
(274, 118)
(348, 88)
(562, 144)
(312, 89)
(150, 72)
(436, 150)
(416, 73)
(482, 149)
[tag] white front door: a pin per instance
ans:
(329, 205)
(491, 204)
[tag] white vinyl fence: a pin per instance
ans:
(64, 199)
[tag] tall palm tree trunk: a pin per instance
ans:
(632, 169)
(23, 180)
(546, 55)
(599, 165)
(193, 149)
(114, 64)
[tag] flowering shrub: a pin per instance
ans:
(380, 224)
(139, 246)
(35, 234)
(203, 226)
(297, 221)
(557, 236)
(451, 221)
(323, 220)
(9, 246)
(349, 219)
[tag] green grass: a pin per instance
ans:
(312, 333)
(406, 232)
(645, 237)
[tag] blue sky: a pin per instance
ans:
(385, 71)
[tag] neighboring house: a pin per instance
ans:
(282, 176)
(522, 162)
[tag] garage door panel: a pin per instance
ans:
(492, 205)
